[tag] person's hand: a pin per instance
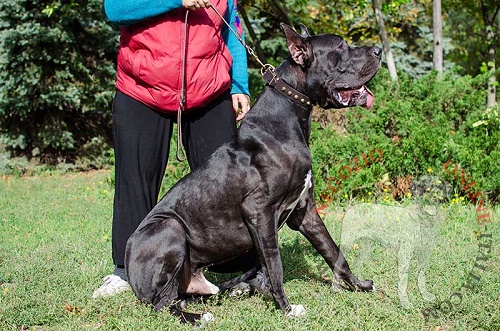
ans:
(241, 105)
(195, 4)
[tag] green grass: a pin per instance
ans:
(55, 247)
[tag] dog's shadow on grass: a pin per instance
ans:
(300, 262)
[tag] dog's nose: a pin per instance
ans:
(377, 51)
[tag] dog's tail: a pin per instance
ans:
(242, 278)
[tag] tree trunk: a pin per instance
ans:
(437, 31)
(377, 7)
(489, 22)
(281, 12)
(492, 95)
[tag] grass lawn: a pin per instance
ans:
(55, 247)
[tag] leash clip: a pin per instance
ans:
(268, 67)
(268, 72)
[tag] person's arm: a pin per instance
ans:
(239, 71)
(126, 12)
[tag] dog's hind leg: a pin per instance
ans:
(191, 318)
(198, 284)
(158, 269)
(242, 278)
(154, 261)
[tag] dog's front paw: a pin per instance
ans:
(353, 284)
(207, 317)
(205, 320)
(240, 289)
(366, 285)
(295, 311)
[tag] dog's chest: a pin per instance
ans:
(300, 202)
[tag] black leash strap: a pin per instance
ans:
(267, 71)
(180, 152)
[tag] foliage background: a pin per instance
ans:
(419, 126)
(57, 79)
(57, 74)
(57, 71)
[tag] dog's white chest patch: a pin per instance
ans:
(301, 200)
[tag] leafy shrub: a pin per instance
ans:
(419, 126)
(57, 73)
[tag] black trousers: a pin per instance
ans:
(141, 144)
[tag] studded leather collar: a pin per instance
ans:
(292, 94)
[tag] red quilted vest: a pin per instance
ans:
(150, 59)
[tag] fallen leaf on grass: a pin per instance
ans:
(71, 309)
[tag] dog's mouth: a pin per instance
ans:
(361, 96)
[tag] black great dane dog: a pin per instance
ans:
(236, 202)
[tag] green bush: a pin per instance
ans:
(57, 73)
(419, 126)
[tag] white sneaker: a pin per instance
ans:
(112, 285)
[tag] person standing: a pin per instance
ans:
(177, 62)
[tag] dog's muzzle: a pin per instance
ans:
(355, 97)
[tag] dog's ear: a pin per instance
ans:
(303, 31)
(299, 48)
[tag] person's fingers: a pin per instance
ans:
(241, 105)
(235, 100)
(195, 4)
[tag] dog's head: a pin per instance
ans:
(340, 71)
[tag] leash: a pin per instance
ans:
(268, 71)
(269, 75)
(180, 152)
(240, 39)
